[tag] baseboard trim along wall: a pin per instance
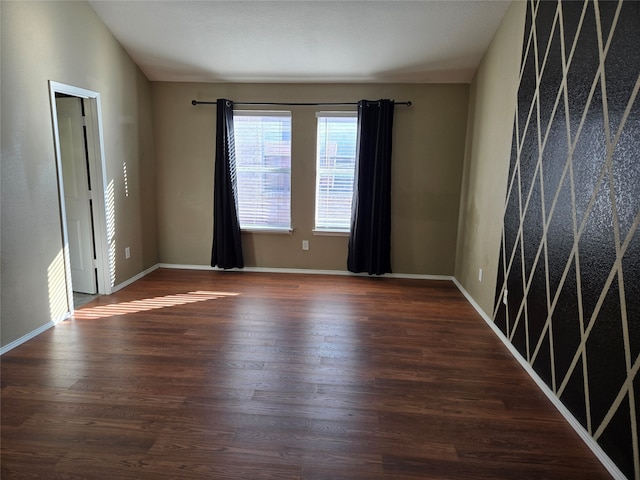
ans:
(135, 278)
(575, 424)
(32, 334)
(305, 271)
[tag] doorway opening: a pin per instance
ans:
(81, 170)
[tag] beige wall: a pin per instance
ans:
(67, 43)
(491, 113)
(428, 155)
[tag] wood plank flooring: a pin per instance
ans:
(236, 375)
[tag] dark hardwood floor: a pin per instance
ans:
(235, 375)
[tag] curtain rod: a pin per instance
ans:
(294, 104)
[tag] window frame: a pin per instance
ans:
(324, 229)
(265, 113)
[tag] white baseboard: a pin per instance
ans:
(31, 334)
(126, 283)
(306, 271)
(575, 424)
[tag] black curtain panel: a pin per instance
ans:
(370, 235)
(226, 251)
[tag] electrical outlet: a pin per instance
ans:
(504, 297)
(305, 244)
(127, 252)
(480, 275)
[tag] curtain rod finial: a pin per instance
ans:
(194, 102)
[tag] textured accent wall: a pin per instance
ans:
(570, 251)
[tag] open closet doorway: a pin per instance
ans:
(81, 182)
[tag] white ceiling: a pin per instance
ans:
(304, 41)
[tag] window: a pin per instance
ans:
(335, 167)
(263, 165)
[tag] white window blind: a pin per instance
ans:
(263, 163)
(335, 166)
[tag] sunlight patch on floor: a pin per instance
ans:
(135, 306)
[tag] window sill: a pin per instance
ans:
(331, 233)
(276, 231)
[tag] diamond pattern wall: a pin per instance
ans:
(570, 252)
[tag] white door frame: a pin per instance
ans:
(102, 207)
